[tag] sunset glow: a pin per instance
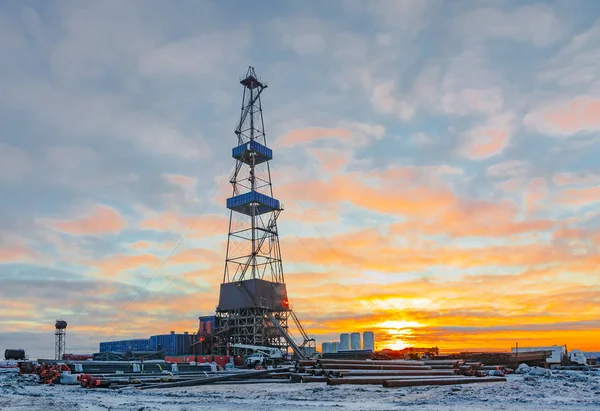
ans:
(438, 163)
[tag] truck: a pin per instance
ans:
(262, 355)
(558, 354)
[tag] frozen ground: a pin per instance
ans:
(562, 391)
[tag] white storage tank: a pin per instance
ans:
(369, 341)
(334, 346)
(326, 347)
(355, 341)
(344, 342)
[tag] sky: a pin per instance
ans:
(437, 161)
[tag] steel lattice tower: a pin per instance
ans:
(60, 339)
(253, 307)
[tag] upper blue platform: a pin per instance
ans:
(245, 152)
(253, 199)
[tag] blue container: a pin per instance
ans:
(125, 345)
(241, 203)
(244, 152)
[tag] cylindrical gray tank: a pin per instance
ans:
(334, 346)
(369, 341)
(355, 341)
(326, 347)
(60, 325)
(14, 354)
(344, 342)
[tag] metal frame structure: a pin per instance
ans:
(253, 307)
(60, 339)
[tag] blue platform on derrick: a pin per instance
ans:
(245, 202)
(245, 152)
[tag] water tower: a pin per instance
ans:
(60, 339)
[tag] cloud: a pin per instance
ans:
(198, 227)
(100, 220)
(489, 139)
(401, 15)
(17, 254)
(565, 118)
(355, 133)
(513, 168)
(196, 57)
(476, 219)
(185, 182)
(574, 66)
(466, 101)
(421, 139)
(382, 221)
(537, 24)
(535, 193)
(330, 158)
(579, 196)
(383, 100)
(15, 163)
(112, 266)
(303, 136)
(197, 255)
(573, 178)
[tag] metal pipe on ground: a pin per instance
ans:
(209, 380)
(368, 373)
(444, 366)
(443, 362)
(306, 378)
(445, 381)
(380, 379)
(374, 367)
(373, 362)
(248, 382)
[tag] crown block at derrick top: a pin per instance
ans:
(261, 203)
(245, 152)
(254, 293)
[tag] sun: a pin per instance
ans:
(396, 329)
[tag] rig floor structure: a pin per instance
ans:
(253, 306)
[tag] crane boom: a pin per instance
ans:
(269, 351)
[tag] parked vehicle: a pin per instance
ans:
(557, 354)
(262, 355)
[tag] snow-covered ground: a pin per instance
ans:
(561, 391)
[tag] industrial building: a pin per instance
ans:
(350, 342)
(170, 344)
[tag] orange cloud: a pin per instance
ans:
(183, 181)
(196, 255)
(113, 265)
(330, 159)
(17, 254)
(307, 135)
(100, 220)
(582, 114)
(140, 245)
(567, 179)
(535, 193)
(580, 196)
(203, 225)
(489, 139)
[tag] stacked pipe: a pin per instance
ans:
(185, 379)
(389, 373)
(111, 367)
